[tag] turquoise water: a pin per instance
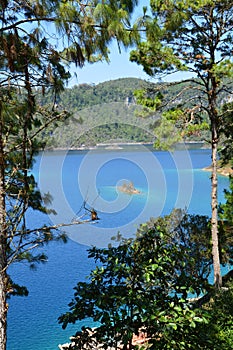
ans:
(165, 180)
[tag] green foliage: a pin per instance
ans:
(20, 192)
(108, 112)
(192, 232)
(226, 226)
(82, 96)
(227, 207)
(38, 42)
(182, 42)
(226, 156)
(32, 65)
(150, 102)
(102, 113)
(222, 311)
(219, 332)
(143, 284)
(166, 135)
(226, 128)
(196, 37)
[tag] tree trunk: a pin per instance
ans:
(214, 207)
(3, 245)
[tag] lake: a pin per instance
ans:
(79, 181)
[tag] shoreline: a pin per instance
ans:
(224, 171)
(121, 145)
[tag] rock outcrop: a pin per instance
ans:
(128, 188)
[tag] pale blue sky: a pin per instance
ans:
(119, 66)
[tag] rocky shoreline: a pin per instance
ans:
(120, 145)
(137, 340)
(224, 171)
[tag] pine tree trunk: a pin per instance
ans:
(3, 244)
(214, 207)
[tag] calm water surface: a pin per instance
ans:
(165, 180)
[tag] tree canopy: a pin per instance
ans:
(195, 37)
(38, 42)
(143, 285)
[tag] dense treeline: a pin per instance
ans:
(108, 112)
(86, 95)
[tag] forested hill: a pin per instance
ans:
(85, 95)
(100, 113)
(103, 113)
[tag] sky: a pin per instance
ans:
(119, 66)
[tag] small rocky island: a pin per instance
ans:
(128, 188)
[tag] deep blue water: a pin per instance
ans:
(165, 180)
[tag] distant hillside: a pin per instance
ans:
(86, 95)
(107, 112)
(101, 113)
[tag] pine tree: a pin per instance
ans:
(195, 37)
(32, 62)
